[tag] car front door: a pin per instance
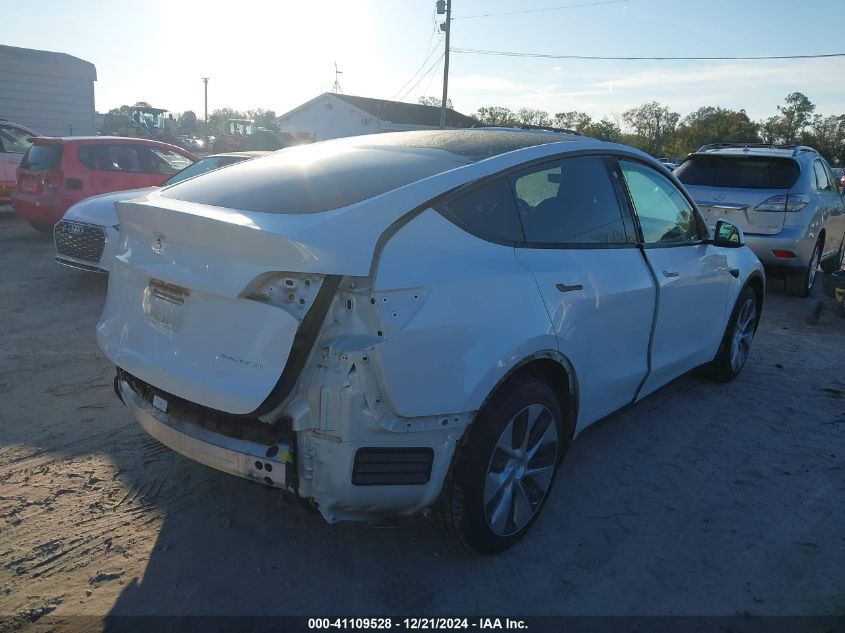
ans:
(830, 204)
(581, 248)
(692, 275)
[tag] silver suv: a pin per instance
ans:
(784, 197)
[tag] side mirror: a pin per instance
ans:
(728, 235)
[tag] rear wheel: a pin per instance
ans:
(800, 285)
(736, 343)
(502, 477)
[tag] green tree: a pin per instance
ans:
(574, 120)
(496, 116)
(530, 116)
(263, 118)
(711, 124)
(434, 101)
(794, 117)
(653, 125)
(827, 135)
(604, 130)
(187, 122)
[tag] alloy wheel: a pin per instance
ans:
(521, 469)
(743, 334)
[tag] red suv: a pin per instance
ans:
(58, 172)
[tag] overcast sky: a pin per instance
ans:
(280, 53)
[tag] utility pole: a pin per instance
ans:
(448, 28)
(205, 85)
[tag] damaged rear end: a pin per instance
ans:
(248, 341)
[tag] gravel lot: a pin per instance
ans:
(703, 499)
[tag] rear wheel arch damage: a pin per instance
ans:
(499, 468)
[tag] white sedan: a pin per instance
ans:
(87, 235)
(423, 320)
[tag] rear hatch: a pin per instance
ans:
(205, 306)
(751, 191)
(40, 167)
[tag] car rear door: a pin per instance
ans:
(693, 276)
(597, 288)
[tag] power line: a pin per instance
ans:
(476, 51)
(430, 50)
(558, 8)
(423, 76)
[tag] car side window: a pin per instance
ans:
(489, 210)
(569, 201)
(665, 215)
(13, 140)
(822, 181)
(124, 158)
(156, 160)
(88, 155)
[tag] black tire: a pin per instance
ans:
(721, 368)
(832, 264)
(799, 285)
(42, 228)
(460, 513)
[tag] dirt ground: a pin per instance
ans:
(703, 499)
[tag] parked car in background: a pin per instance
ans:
(14, 141)
(668, 164)
(57, 172)
(784, 197)
(87, 236)
(393, 322)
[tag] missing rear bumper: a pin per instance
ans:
(270, 464)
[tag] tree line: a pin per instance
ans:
(656, 129)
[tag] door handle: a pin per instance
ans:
(565, 288)
(669, 273)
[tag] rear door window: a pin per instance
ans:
(125, 158)
(42, 157)
(87, 155)
(569, 201)
(739, 172)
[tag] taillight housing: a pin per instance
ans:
(790, 203)
(53, 179)
(293, 292)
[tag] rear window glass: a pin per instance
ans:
(201, 166)
(739, 172)
(42, 157)
(312, 178)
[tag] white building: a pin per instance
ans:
(51, 93)
(331, 115)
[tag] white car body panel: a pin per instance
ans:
(602, 328)
(456, 319)
(411, 295)
(695, 285)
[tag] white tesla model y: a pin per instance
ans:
(422, 320)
